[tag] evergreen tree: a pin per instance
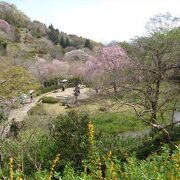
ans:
(63, 42)
(67, 42)
(51, 27)
(53, 34)
(88, 44)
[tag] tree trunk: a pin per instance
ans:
(163, 130)
(167, 135)
(154, 111)
(154, 101)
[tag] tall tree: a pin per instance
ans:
(63, 42)
(44, 70)
(53, 34)
(67, 42)
(15, 79)
(155, 58)
(108, 63)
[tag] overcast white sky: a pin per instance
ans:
(100, 20)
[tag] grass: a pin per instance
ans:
(112, 128)
(114, 120)
(111, 122)
(117, 122)
(54, 109)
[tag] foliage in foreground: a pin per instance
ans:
(165, 165)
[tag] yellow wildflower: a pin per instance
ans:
(53, 166)
(11, 168)
(91, 133)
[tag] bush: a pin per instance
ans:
(48, 99)
(154, 142)
(73, 81)
(37, 110)
(163, 166)
(37, 147)
(71, 136)
(47, 89)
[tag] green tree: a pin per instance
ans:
(67, 42)
(88, 44)
(15, 80)
(63, 42)
(53, 34)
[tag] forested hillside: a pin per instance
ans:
(22, 40)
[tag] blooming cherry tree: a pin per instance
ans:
(107, 65)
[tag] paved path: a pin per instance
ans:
(69, 94)
(20, 113)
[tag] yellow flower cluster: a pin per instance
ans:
(53, 166)
(91, 133)
(112, 166)
(112, 171)
(109, 154)
(11, 168)
(19, 170)
(176, 161)
(98, 161)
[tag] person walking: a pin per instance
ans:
(63, 87)
(76, 93)
(31, 96)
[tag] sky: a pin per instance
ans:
(99, 20)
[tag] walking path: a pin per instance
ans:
(20, 113)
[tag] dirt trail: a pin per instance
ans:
(20, 113)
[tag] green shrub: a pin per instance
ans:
(48, 99)
(37, 110)
(155, 141)
(49, 85)
(73, 81)
(37, 147)
(36, 34)
(48, 89)
(163, 166)
(71, 136)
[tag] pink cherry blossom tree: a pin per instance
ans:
(40, 70)
(77, 70)
(44, 70)
(107, 65)
(57, 68)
